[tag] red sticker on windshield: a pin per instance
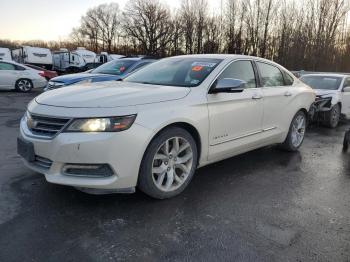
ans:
(122, 69)
(197, 68)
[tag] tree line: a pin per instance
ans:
(299, 34)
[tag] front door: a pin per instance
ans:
(8, 75)
(235, 118)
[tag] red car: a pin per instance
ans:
(44, 72)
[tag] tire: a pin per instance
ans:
(24, 85)
(163, 172)
(346, 140)
(333, 116)
(296, 133)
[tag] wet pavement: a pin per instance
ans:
(266, 205)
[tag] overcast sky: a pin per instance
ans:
(51, 20)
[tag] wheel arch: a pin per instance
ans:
(186, 126)
(24, 78)
(340, 105)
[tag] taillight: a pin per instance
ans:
(41, 73)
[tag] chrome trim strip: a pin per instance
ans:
(269, 129)
(244, 136)
(239, 137)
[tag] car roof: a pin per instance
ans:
(327, 75)
(223, 56)
(9, 61)
(229, 56)
(129, 58)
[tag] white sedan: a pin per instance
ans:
(154, 129)
(332, 97)
(20, 77)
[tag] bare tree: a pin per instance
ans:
(299, 34)
(148, 22)
(188, 18)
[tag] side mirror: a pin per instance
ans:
(229, 85)
(346, 89)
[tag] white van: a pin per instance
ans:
(5, 54)
(33, 55)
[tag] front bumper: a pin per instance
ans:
(320, 108)
(122, 151)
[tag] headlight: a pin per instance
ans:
(55, 84)
(28, 120)
(106, 124)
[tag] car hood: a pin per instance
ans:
(110, 94)
(74, 78)
(325, 93)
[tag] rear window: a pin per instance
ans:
(271, 76)
(322, 82)
(117, 67)
(288, 79)
(186, 72)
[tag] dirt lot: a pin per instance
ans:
(266, 205)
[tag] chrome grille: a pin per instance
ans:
(42, 162)
(46, 126)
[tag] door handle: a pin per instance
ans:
(256, 96)
(288, 93)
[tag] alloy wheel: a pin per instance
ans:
(298, 130)
(24, 85)
(172, 164)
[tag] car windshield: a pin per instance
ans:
(186, 72)
(322, 82)
(116, 67)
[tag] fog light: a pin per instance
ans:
(87, 170)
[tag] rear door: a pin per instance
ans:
(8, 75)
(235, 118)
(278, 95)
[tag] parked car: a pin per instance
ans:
(154, 129)
(114, 70)
(332, 97)
(20, 77)
(48, 74)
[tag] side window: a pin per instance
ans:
(288, 79)
(20, 68)
(346, 83)
(6, 66)
(270, 75)
(242, 70)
